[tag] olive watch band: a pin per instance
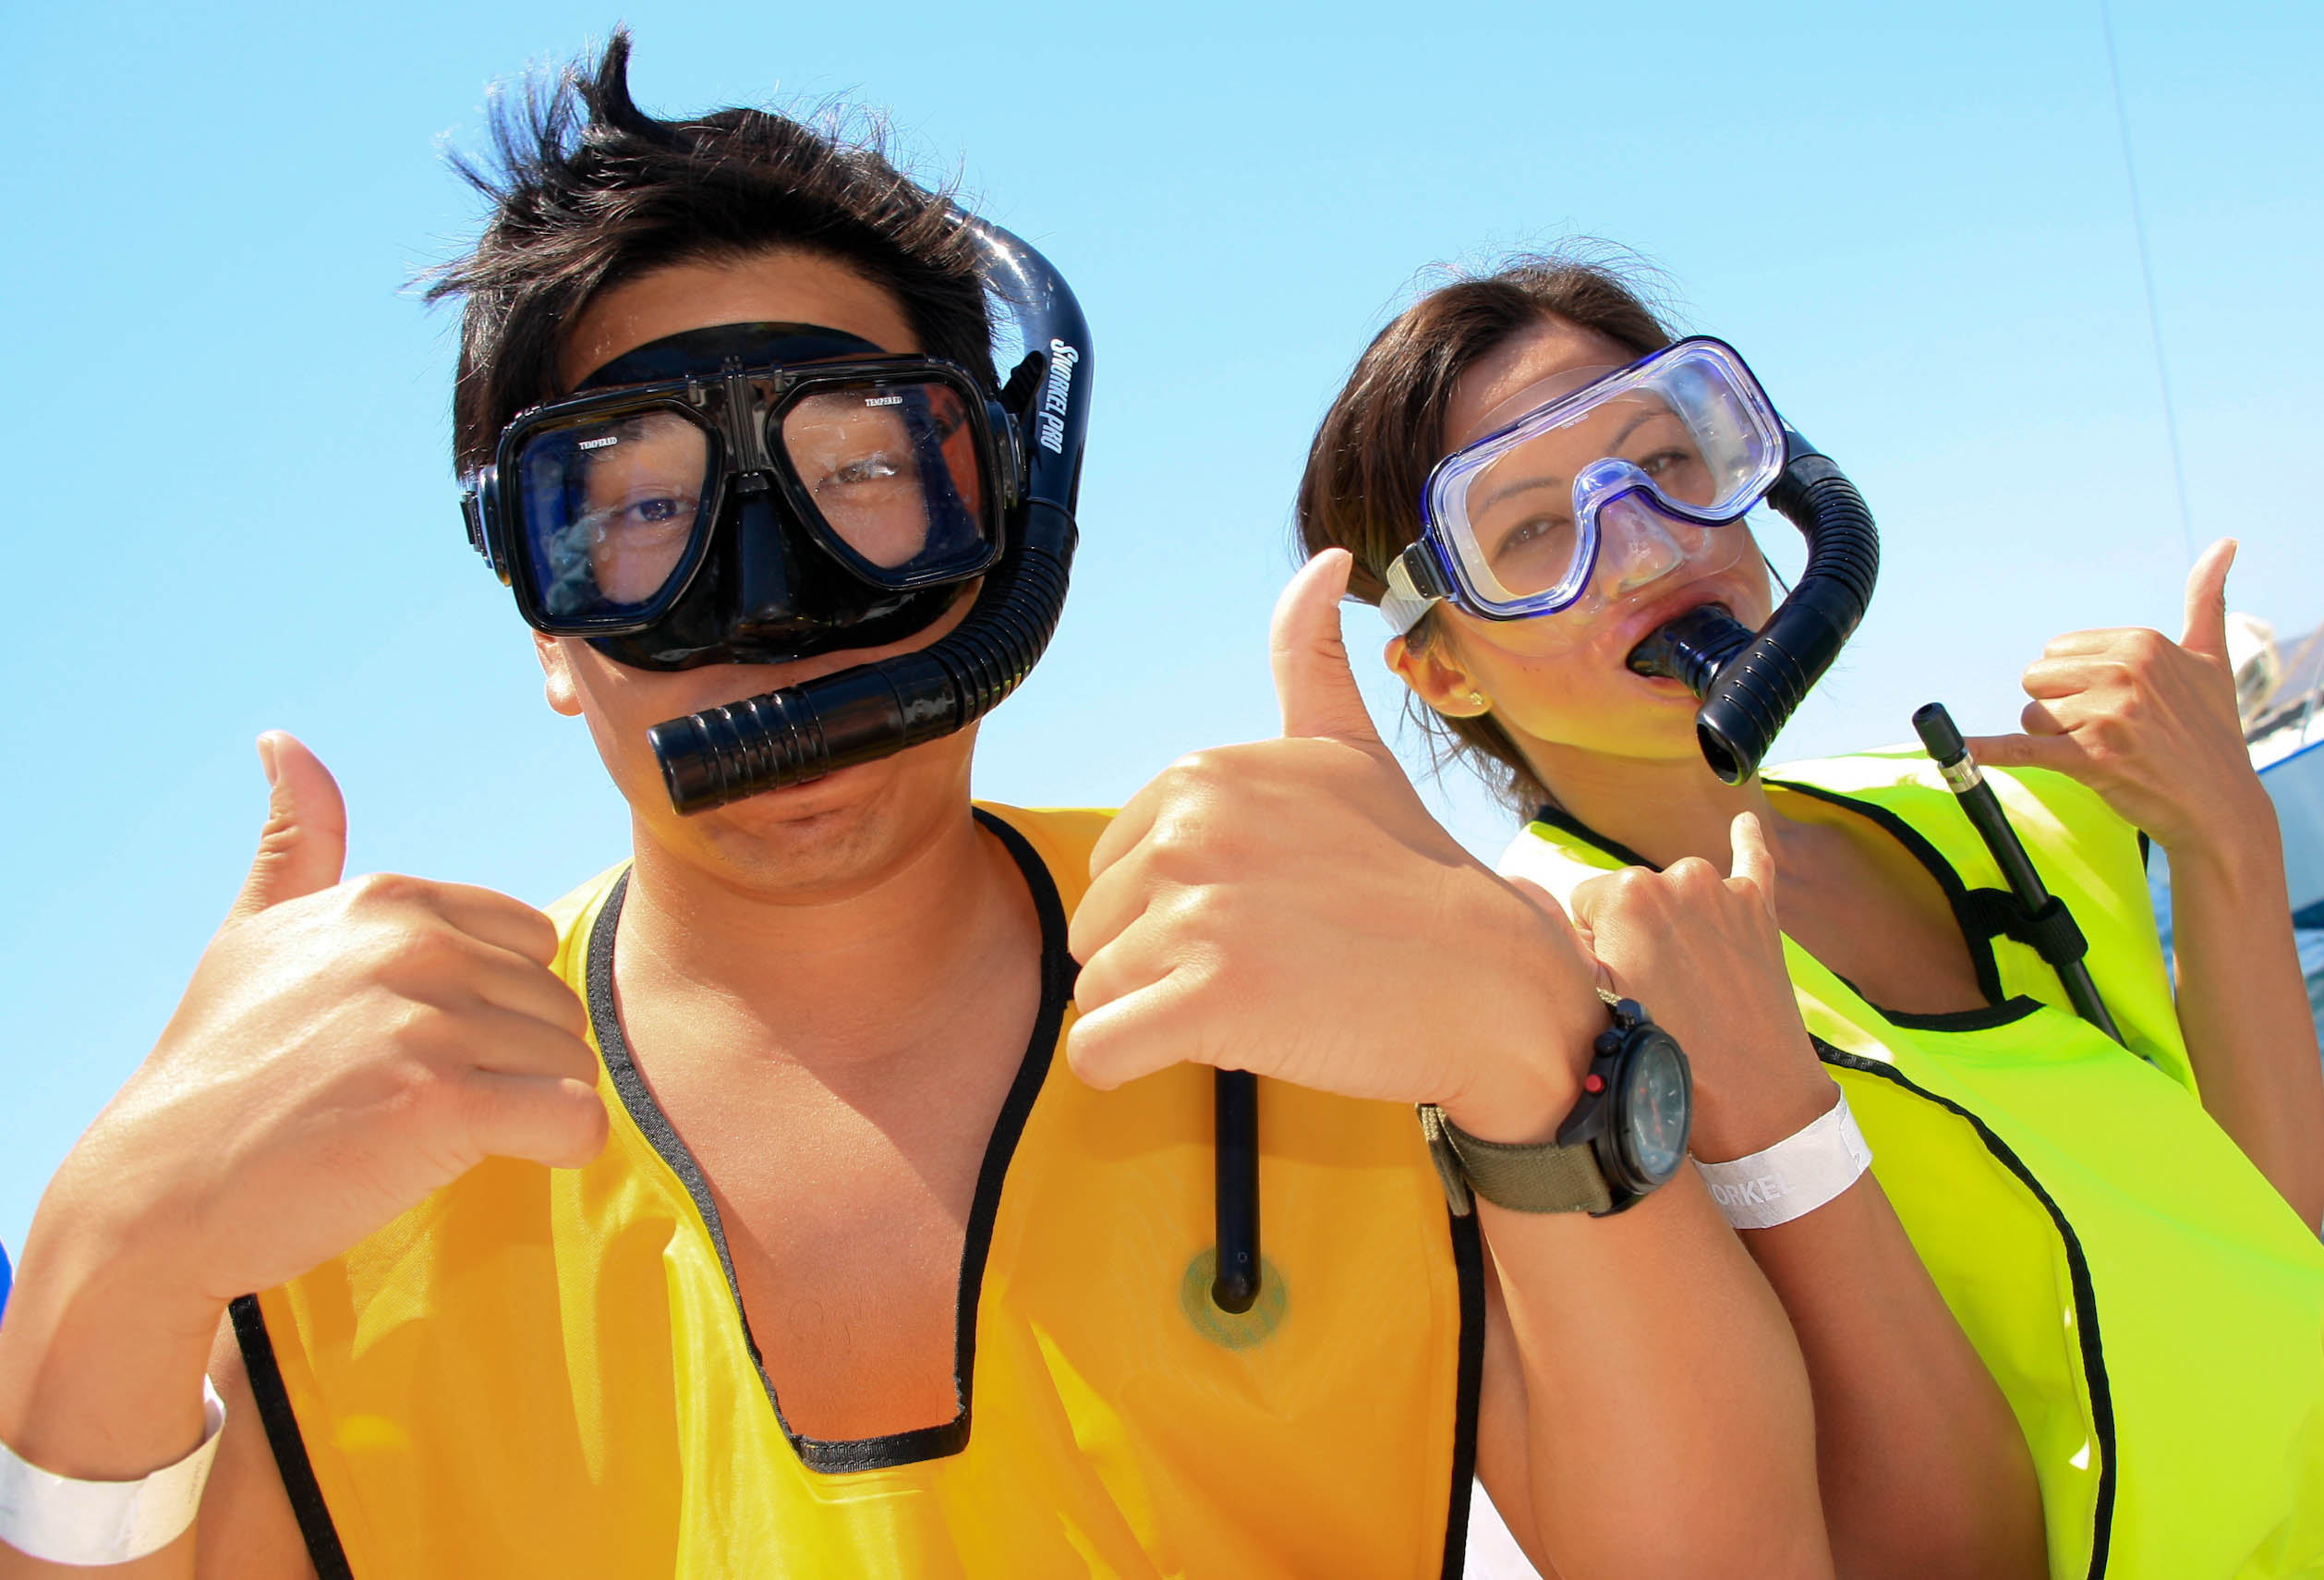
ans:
(1543, 1177)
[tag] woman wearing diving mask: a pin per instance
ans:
(1547, 497)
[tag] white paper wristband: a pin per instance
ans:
(1795, 1176)
(59, 1519)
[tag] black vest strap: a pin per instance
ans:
(2051, 930)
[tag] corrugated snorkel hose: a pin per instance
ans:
(804, 732)
(1750, 683)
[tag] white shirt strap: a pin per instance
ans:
(1795, 1176)
(59, 1519)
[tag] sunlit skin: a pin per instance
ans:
(819, 841)
(1618, 750)
(828, 992)
(2147, 722)
(872, 885)
(1923, 1470)
(1520, 505)
(860, 462)
(642, 492)
(847, 971)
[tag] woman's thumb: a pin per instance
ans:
(304, 845)
(1750, 858)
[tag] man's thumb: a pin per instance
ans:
(1311, 678)
(2206, 601)
(304, 844)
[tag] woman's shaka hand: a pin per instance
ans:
(2147, 722)
(1704, 956)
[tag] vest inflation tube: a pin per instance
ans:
(1750, 683)
(801, 732)
(2045, 922)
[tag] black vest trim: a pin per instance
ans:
(1058, 974)
(275, 1414)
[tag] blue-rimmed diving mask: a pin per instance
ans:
(1605, 481)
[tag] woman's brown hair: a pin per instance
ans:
(1386, 431)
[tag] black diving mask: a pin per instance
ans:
(748, 494)
(760, 492)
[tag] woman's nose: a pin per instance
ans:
(1640, 546)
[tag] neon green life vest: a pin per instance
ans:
(2151, 1308)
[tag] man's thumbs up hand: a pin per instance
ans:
(1291, 908)
(303, 847)
(1312, 682)
(344, 1049)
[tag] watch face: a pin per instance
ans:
(1656, 1108)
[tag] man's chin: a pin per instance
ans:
(815, 806)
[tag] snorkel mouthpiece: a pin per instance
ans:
(802, 732)
(1693, 648)
(1750, 683)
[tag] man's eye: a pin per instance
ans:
(658, 514)
(871, 469)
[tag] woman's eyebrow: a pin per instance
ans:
(1520, 486)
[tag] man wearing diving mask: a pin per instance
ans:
(738, 1216)
(758, 492)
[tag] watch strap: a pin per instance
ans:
(1539, 1177)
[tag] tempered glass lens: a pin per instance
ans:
(610, 509)
(1520, 505)
(1738, 444)
(892, 469)
(1690, 425)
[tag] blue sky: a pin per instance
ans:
(234, 408)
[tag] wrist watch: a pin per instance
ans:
(1626, 1136)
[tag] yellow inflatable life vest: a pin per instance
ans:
(2151, 1308)
(544, 1372)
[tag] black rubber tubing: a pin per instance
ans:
(801, 732)
(1750, 682)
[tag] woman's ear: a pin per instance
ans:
(563, 689)
(1436, 677)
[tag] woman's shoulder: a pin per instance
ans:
(1560, 855)
(1903, 779)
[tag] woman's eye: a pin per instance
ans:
(1532, 532)
(1662, 461)
(653, 512)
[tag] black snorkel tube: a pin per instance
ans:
(802, 732)
(1751, 682)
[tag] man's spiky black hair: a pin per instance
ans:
(588, 191)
